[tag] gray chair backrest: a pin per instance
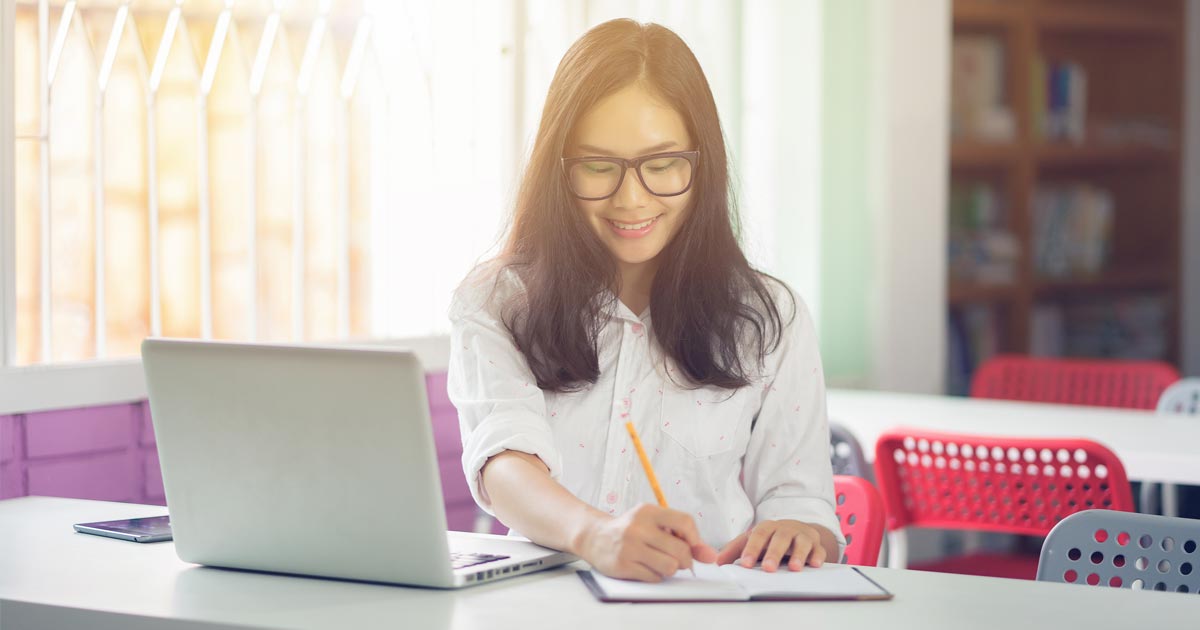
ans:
(1182, 397)
(1123, 550)
(846, 453)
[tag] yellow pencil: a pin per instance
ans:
(658, 493)
(637, 443)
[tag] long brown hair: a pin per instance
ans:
(714, 315)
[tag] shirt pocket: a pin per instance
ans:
(703, 421)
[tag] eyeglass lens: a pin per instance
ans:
(669, 175)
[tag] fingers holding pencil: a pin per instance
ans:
(684, 528)
(648, 543)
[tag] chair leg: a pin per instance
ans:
(897, 549)
(1170, 500)
(1149, 497)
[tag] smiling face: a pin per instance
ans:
(634, 224)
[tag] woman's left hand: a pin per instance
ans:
(770, 541)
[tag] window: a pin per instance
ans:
(278, 170)
(195, 170)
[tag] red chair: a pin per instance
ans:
(1102, 383)
(861, 517)
(997, 484)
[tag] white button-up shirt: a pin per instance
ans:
(730, 459)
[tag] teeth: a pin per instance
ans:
(636, 226)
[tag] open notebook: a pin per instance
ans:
(735, 583)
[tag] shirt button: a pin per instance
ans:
(638, 328)
(611, 498)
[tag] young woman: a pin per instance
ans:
(625, 214)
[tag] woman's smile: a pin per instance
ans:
(634, 230)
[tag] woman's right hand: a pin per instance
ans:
(647, 543)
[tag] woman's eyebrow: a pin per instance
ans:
(658, 147)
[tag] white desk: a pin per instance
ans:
(1152, 447)
(51, 577)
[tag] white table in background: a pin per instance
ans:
(51, 577)
(1152, 447)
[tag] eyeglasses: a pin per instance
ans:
(663, 174)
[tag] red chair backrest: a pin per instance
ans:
(1102, 383)
(1002, 484)
(860, 513)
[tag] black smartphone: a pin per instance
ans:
(143, 530)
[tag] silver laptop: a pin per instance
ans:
(312, 461)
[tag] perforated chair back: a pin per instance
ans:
(1182, 397)
(846, 453)
(1102, 383)
(861, 516)
(1123, 550)
(1001, 484)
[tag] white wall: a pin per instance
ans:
(92, 383)
(1191, 197)
(908, 194)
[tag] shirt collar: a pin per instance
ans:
(616, 309)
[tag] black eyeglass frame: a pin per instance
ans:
(693, 158)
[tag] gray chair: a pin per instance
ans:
(846, 453)
(1123, 550)
(1181, 398)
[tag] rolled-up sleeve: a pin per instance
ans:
(788, 474)
(500, 408)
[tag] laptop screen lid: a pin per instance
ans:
(306, 460)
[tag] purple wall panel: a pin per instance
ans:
(8, 438)
(108, 477)
(12, 481)
(74, 431)
(461, 517)
(147, 434)
(445, 433)
(108, 453)
(454, 484)
(12, 469)
(152, 485)
(435, 385)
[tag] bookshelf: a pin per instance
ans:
(1065, 175)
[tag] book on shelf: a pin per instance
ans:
(981, 249)
(1060, 100)
(978, 107)
(974, 336)
(1072, 230)
(976, 205)
(1128, 327)
(1046, 331)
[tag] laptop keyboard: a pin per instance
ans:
(462, 560)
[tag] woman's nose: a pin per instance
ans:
(631, 194)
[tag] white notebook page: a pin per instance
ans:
(829, 581)
(710, 583)
(735, 583)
